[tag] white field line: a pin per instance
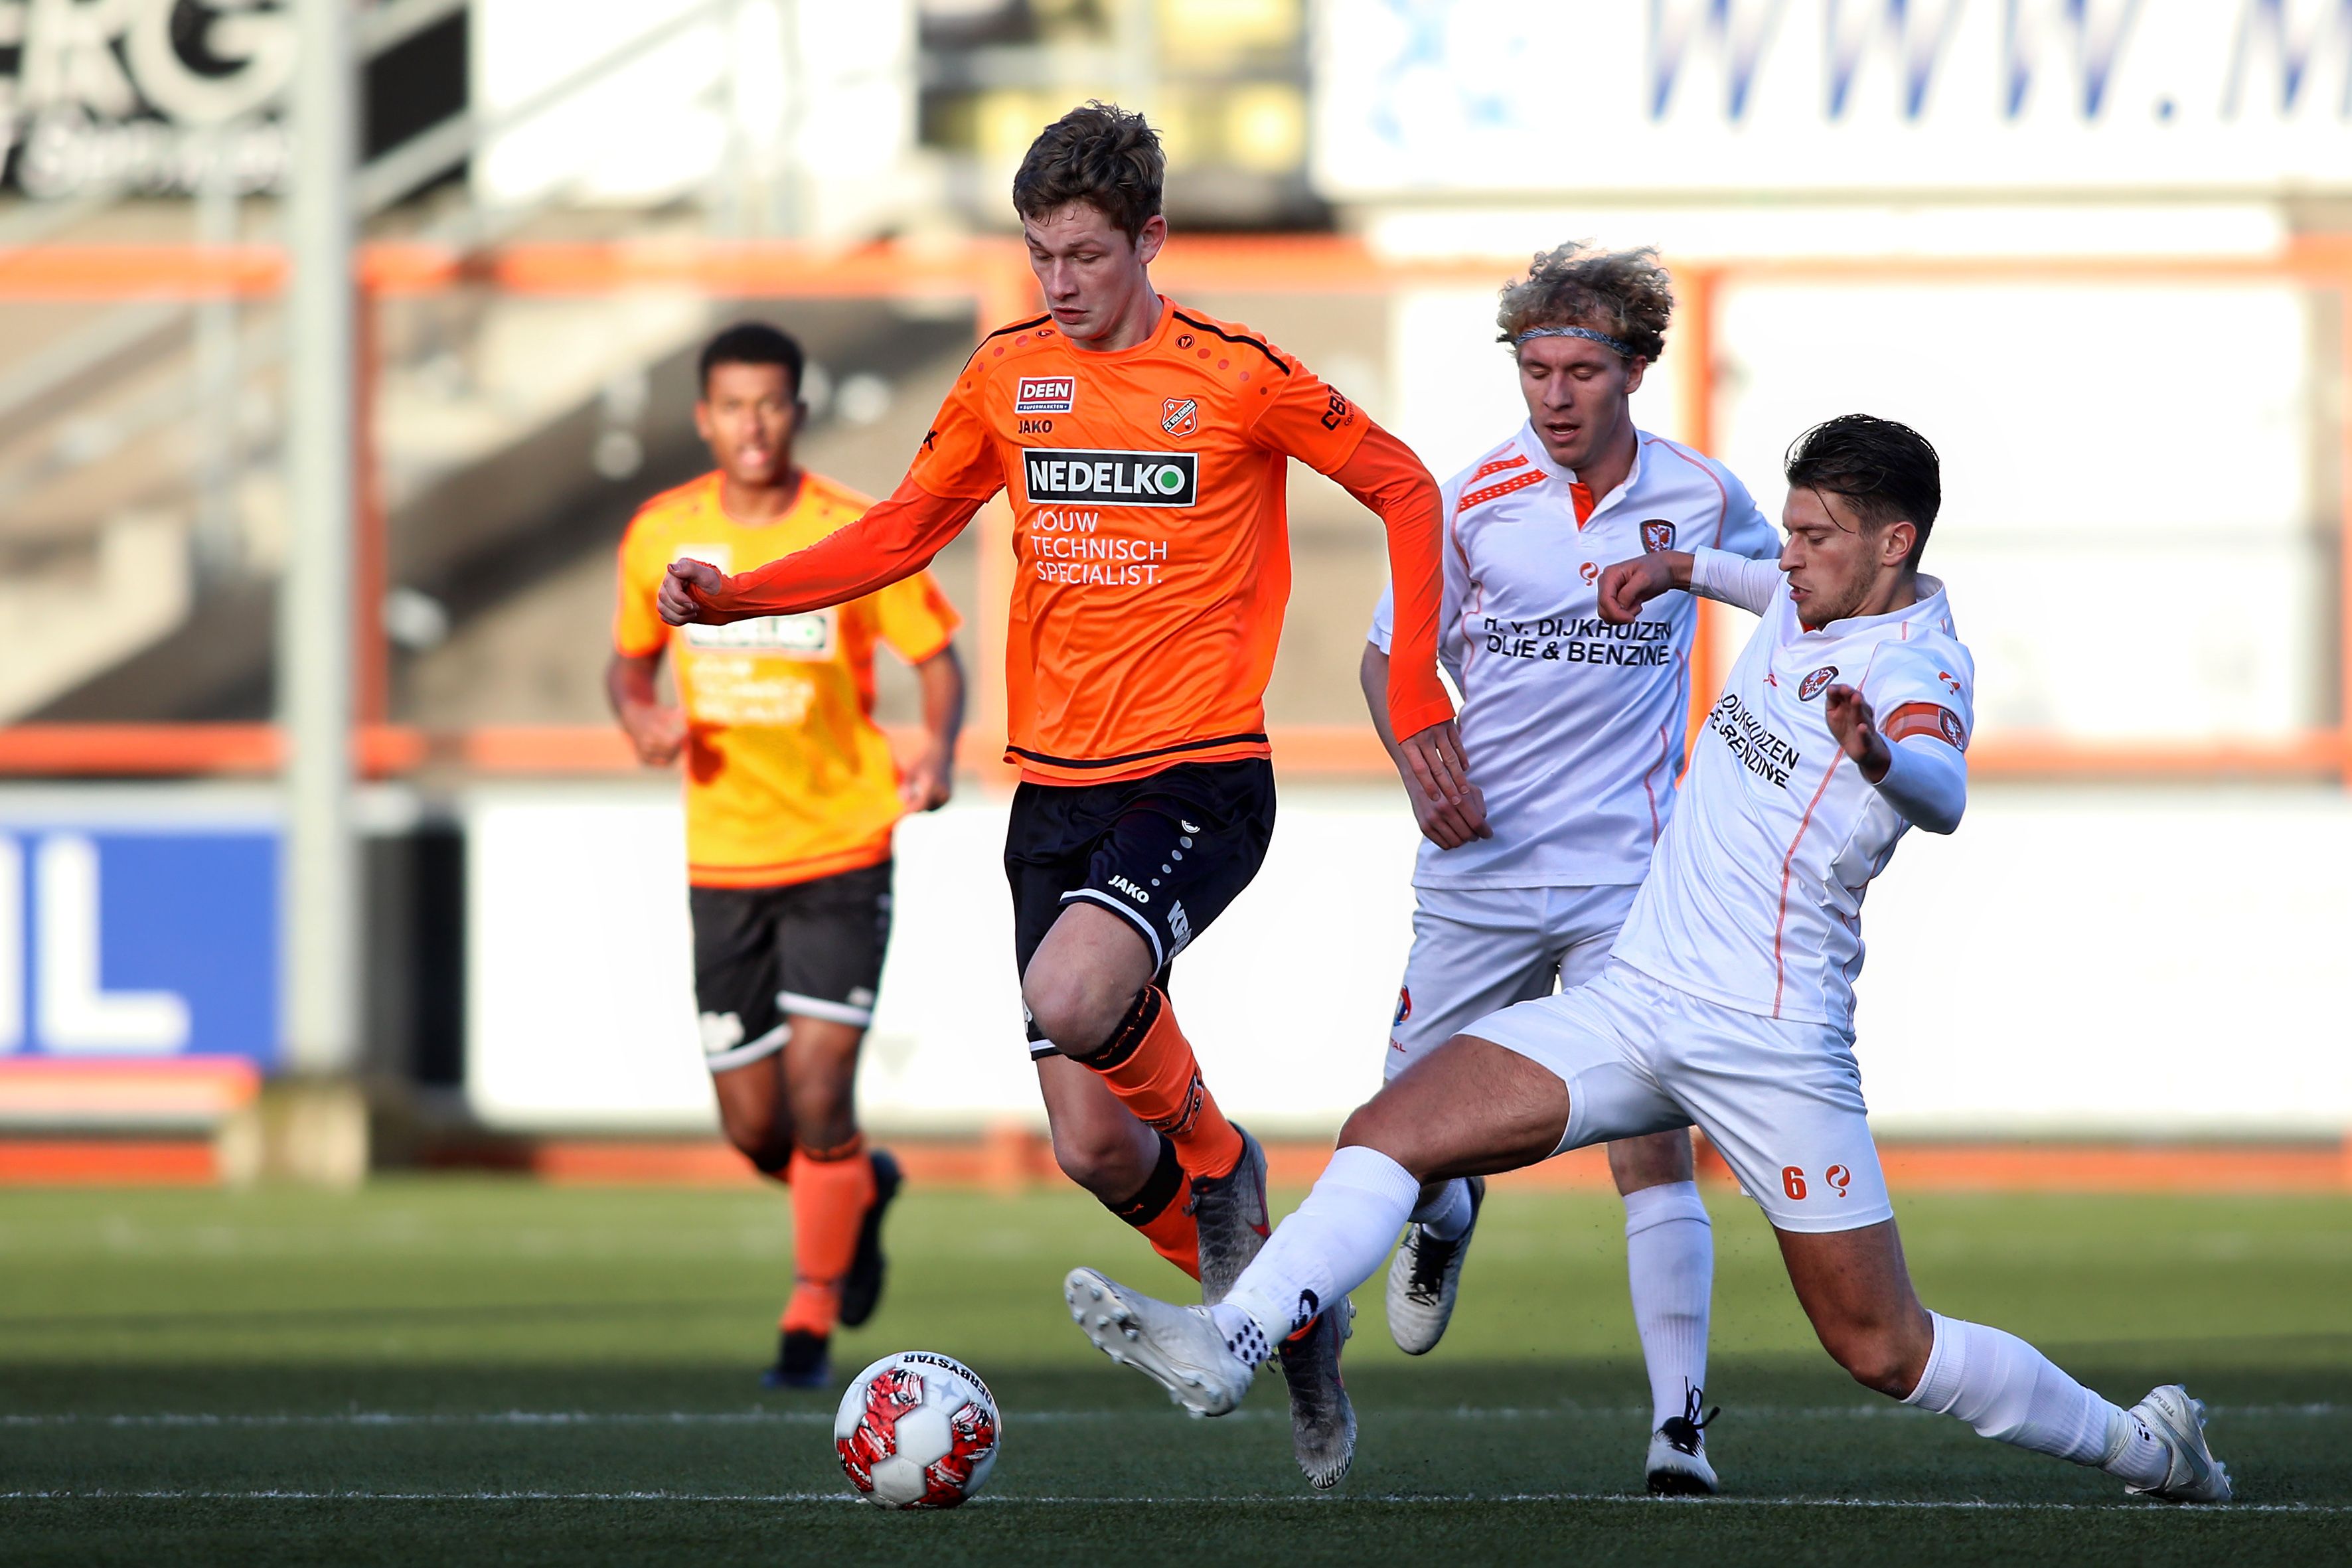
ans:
(1974, 1505)
(392, 1418)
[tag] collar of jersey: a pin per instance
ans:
(1112, 356)
(1928, 608)
(1532, 445)
(793, 514)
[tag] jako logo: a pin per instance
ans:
(1115, 479)
(1130, 889)
(1045, 394)
(1812, 686)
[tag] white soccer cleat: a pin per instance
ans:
(2192, 1474)
(1676, 1465)
(1424, 1277)
(1179, 1348)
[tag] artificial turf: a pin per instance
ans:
(474, 1371)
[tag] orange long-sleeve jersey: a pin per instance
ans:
(1151, 535)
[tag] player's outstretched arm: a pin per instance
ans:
(1449, 825)
(895, 539)
(1923, 778)
(655, 729)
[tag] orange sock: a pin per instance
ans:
(1162, 1211)
(1148, 1064)
(831, 1191)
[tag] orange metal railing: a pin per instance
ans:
(992, 274)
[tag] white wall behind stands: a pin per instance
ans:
(2116, 963)
(2116, 583)
(808, 110)
(1430, 96)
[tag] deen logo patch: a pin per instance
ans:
(1113, 478)
(1045, 394)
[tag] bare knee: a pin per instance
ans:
(1890, 1357)
(765, 1140)
(1381, 1125)
(1074, 1010)
(1655, 1160)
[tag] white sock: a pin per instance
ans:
(1447, 1212)
(1670, 1264)
(2011, 1392)
(1334, 1242)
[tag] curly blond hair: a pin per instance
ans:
(1624, 293)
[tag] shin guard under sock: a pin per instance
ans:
(1670, 1268)
(1161, 1210)
(832, 1189)
(2011, 1392)
(1335, 1241)
(1148, 1064)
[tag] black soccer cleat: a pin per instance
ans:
(802, 1361)
(861, 1288)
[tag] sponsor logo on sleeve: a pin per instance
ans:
(1045, 394)
(1112, 478)
(1179, 415)
(1657, 535)
(1812, 686)
(1404, 1004)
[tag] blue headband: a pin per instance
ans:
(1604, 339)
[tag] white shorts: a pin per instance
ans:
(1476, 951)
(1780, 1100)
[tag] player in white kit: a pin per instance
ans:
(1574, 728)
(1728, 1001)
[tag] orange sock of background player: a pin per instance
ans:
(1148, 1064)
(832, 1189)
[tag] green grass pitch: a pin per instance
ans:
(479, 1371)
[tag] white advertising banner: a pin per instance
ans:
(1681, 97)
(2113, 963)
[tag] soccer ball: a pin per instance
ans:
(916, 1430)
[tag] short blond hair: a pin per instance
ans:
(1624, 293)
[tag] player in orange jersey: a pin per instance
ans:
(1144, 447)
(791, 796)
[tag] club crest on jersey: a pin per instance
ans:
(1179, 415)
(1657, 535)
(1812, 686)
(1045, 394)
(1949, 723)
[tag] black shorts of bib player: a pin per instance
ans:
(1168, 852)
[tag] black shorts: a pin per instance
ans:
(811, 948)
(1168, 851)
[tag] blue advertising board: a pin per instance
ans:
(122, 937)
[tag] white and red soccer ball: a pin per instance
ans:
(916, 1430)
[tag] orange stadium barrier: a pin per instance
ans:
(992, 274)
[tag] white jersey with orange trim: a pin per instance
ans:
(1755, 901)
(1574, 728)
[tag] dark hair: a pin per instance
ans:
(1097, 153)
(750, 343)
(1887, 471)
